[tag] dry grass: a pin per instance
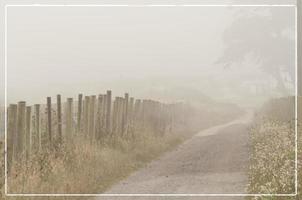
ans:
(82, 167)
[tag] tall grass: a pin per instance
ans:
(82, 167)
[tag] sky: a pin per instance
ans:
(150, 52)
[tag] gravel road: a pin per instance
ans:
(214, 161)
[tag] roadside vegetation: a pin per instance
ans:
(272, 147)
(81, 166)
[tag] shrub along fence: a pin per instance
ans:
(38, 127)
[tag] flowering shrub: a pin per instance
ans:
(272, 168)
(272, 151)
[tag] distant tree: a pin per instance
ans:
(269, 44)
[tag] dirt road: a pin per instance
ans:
(213, 161)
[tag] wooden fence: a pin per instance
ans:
(32, 128)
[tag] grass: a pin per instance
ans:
(79, 166)
(82, 167)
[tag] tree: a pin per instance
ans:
(269, 44)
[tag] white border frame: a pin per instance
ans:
(158, 5)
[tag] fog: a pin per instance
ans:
(243, 55)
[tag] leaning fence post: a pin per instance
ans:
(59, 115)
(11, 133)
(49, 118)
(20, 127)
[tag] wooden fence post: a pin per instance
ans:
(20, 127)
(59, 116)
(86, 115)
(114, 116)
(37, 136)
(121, 116)
(99, 116)
(108, 111)
(11, 134)
(49, 123)
(69, 115)
(28, 141)
(130, 115)
(79, 114)
(125, 114)
(131, 108)
(137, 115)
(91, 127)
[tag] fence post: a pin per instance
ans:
(37, 137)
(79, 114)
(20, 127)
(114, 115)
(137, 115)
(28, 132)
(108, 111)
(131, 109)
(11, 134)
(69, 118)
(59, 115)
(49, 123)
(91, 127)
(86, 115)
(99, 116)
(117, 118)
(104, 116)
(121, 115)
(130, 115)
(125, 114)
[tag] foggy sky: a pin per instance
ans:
(146, 51)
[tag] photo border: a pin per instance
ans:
(157, 5)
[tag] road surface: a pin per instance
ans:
(214, 161)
